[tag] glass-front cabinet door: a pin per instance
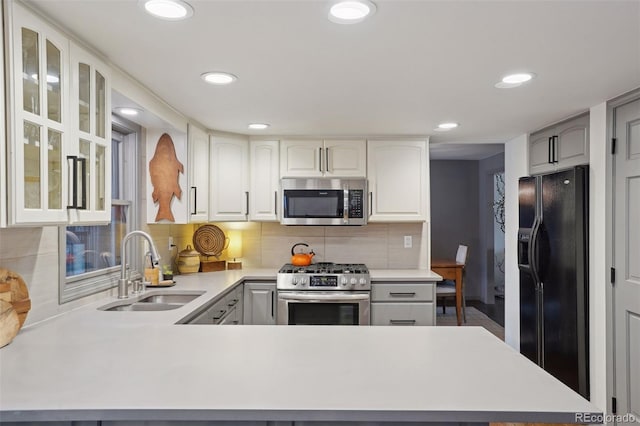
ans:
(58, 126)
(91, 122)
(38, 120)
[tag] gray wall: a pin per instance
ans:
(461, 213)
(454, 216)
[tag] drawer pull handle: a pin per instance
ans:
(232, 303)
(408, 294)
(220, 315)
(402, 322)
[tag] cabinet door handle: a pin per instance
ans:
(195, 198)
(74, 182)
(555, 149)
(399, 294)
(370, 203)
(83, 162)
(246, 197)
(275, 203)
(75, 161)
(273, 295)
(320, 160)
(326, 159)
(402, 322)
(550, 155)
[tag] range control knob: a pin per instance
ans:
(363, 281)
(303, 281)
(294, 280)
(343, 280)
(353, 281)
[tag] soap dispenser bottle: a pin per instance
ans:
(151, 273)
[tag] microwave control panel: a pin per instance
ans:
(356, 202)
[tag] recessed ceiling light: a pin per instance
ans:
(171, 10)
(217, 77)
(351, 11)
(447, 126)
(514, 80)
(128, 111)
(258, 126)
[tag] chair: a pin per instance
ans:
(447, 289)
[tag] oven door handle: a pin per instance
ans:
(299, 296)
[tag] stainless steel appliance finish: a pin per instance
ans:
(318, 201)
(324, 294)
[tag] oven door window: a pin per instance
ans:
(323, 313)
(313, 203)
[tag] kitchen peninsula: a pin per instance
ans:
(94, 365)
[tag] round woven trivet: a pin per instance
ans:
(209, 240)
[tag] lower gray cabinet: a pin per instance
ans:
(227, 310)
(403, 303)
(260, 303)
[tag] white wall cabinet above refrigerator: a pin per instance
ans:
(229, 174)
(560, 147)
(265, 183)
(59, 126)
(398, 172)
(323, 158)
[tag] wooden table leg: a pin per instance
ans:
(459, 295)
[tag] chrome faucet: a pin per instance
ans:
(123, 284)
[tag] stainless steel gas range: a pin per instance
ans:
(324, 294)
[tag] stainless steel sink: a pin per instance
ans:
(156, 300)
(146, 307)
(169, 298)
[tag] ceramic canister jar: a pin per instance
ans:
(188, 261)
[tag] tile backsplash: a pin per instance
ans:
(34, 252)
(268, 245)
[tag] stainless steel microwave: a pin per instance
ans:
(324, 201)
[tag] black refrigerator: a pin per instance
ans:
(553, 263)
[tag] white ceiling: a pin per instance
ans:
(410, 66)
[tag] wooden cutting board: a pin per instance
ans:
(9, 323)
(19, 293)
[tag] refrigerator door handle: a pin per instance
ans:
(533, 248)
(541, 338)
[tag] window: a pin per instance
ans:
(90, 255)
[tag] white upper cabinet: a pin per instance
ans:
(345, 158)
(559, 147)
(265, 183)
(89, 156)
(323, 158)
(198, 146)
(229, 191)
(59, 125)
(3, 143)
(398, 180)
(572, 148)
(38, 119)
(301, 158)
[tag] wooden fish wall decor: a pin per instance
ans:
(164, 169)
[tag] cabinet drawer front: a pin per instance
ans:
(402, 314)
(402, 292)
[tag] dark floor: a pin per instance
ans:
(495, 311)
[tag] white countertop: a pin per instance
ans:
(97, 365)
